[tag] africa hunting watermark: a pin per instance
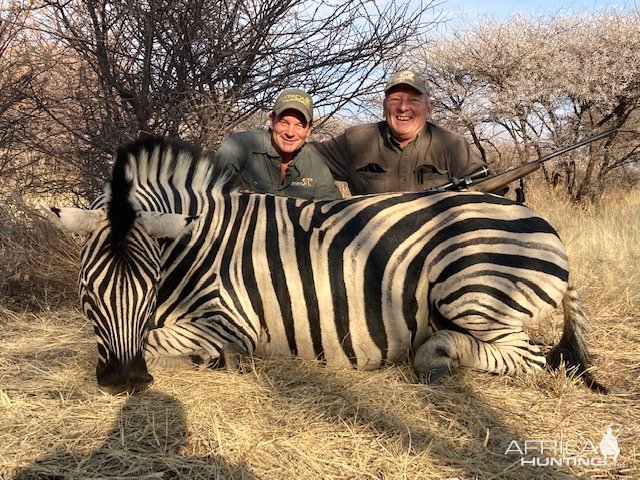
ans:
(585, 453)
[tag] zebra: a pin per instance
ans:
(177, 263)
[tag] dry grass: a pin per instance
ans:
(38, 263)
(288, 419)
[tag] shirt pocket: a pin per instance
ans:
(371, 182)
(249, 182)
(430, 176)
(258, 180)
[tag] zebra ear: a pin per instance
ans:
(166, 225)
(74, 220)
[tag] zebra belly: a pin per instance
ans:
(332, 354)
(346, 338)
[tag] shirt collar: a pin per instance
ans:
(396, 144)
(266, 147)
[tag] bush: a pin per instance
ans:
(38, 263)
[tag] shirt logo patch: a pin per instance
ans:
(303, 182)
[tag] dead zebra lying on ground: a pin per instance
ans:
(179, 264)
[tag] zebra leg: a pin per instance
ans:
(166, 347)
(511, 353)
(193, 342)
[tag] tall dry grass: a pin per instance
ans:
(289, 419)
(603, 241)
(38, 263)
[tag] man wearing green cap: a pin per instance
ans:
(405, 152)
(278, 161)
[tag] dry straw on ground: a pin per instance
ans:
(286, 419)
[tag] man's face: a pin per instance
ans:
(406, 111)
(289, 131)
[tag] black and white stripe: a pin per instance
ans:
(445, 278)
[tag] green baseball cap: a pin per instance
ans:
(295, 99)
(408, 77)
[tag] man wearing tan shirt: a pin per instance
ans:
(403, 153)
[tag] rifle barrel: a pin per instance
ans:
(576, 145)
(496, 182)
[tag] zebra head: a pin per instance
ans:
(157, 188)
(117, 285)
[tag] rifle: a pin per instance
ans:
(480, 181)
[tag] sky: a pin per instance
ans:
(502, 9)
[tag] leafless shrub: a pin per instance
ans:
(538, 84)
(38, 263)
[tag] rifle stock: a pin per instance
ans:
(498, 182)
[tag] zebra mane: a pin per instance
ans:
(161, 174)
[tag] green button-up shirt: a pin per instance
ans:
(258, 164)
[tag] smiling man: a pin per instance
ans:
(405, 152)
(278, 161)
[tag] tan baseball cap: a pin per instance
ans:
(297, 100)
(408, 77)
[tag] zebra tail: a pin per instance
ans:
(572, 349)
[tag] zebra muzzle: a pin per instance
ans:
(116, 377)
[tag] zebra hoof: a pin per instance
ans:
(233, 356)
(434, 376)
